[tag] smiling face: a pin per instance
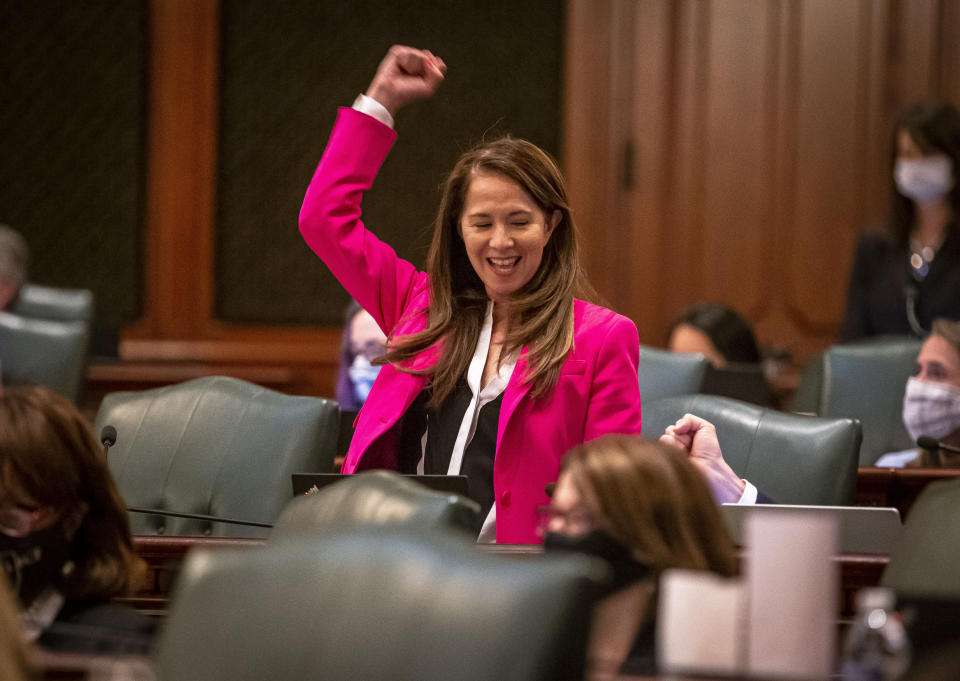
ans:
(504, 232)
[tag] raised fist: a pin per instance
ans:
(405, 75)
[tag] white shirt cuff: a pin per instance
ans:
(749, 496)
(372, 107)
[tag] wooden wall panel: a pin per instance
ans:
(739, 154)
(826, 132)
(646, 199)
(181, 152)
(761, 138)
(714, 149)
(686, 172)
(879, 107)
(949, 55)
(590, 156)
(916, 48)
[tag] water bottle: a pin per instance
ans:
(877, 647)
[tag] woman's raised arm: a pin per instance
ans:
(405, 75)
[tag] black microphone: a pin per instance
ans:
(108, 438)
(933, 444)
(196, 516)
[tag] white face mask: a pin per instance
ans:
(925, 179)
(931, 409)
(363, 374)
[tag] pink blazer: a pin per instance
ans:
(597, 392)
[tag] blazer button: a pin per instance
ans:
(505, 498)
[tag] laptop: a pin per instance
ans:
(305, 483)
(862, 529)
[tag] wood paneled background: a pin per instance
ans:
(725, 150)
(734, 150)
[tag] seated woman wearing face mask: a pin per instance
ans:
(931, 404)
(363, 342)
(65, 541)
(672, 523)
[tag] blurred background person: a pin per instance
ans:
(717, 332)
(931, 403)
(14, 260)
(674, 523)
(904, 279)
(65, 539)
(362, 343)
(726, 340)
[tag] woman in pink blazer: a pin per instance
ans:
(495, 369)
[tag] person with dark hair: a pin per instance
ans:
(362, 344)
(14, 259)
(904, 279)
(65, 540)
(674, 523)
(494, 368)
(717, 332)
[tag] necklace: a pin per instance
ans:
(921, 257)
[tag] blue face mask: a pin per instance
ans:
(362, 375)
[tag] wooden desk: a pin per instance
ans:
(79, 666)
(105, 377)
(897, 487)
(164, 556)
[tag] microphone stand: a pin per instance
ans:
(108, 438)
(196, 516)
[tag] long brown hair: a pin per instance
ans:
(650, 498)
(48, 451)
(541, 312)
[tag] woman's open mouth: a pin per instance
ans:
(504, 265)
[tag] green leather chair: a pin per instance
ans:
(792, 459)
(864, 381)
(49, 302)
(377, 603)
(377, 498)
(664, 374)
(926, 561)
(214, 446)
(44, 352)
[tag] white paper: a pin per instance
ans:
(791, 591)
(699, 623)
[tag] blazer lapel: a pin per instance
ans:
(515, 391)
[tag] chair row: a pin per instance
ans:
(223, 447)
(863, 381)
(45, 338)
(336, 596)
